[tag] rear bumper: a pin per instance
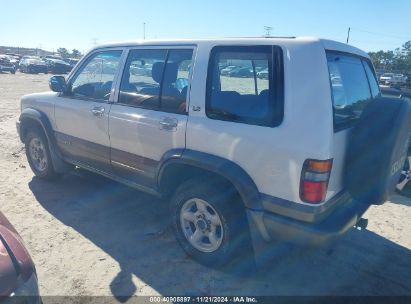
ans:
(335, 225)
(273, 227)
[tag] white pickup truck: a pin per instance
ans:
(393, 79)
(295, 156)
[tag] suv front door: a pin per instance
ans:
(150, 116)
(81, 114)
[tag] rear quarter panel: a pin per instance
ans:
(273, 157)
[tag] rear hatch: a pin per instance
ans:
(353, 86)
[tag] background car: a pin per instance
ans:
(71, 61)
(241, 72)
(141, 70)
(18, 277)
(14, 60)
(17, 56)
(227, 69)
(393, 79)
(57, 66)
(386, 78)
(6, 65)
(33, 65)
(263, 74)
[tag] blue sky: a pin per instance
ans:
(375, 24)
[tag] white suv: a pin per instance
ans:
(241, 157)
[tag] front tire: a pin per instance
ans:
(38, 155)
(209, 222)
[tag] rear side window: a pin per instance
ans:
(375, 89)
(245, 85)
(157, 79)
(141, 82)
(350, 85)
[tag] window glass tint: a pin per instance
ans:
(240, 86)
(149, 82)
(375, 89)
(238, 74)
(175, 81)
(140, 84)
(350, 89)
(95, 79)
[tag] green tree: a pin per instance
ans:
(75, 53)
(398, 61)
(63, 52)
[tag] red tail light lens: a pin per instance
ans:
(314, 180)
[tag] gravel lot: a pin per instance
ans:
(91, 236)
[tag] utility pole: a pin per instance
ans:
(348, 34)
(267, 30)
(144, 31)
(94, 41)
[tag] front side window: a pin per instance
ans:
(157, 79)
(351, 91)
(244, 85)
(95, 79)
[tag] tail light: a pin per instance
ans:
(314, 180)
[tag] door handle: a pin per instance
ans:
(168, 123)
(98, 111)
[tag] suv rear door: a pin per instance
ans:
(353, 86)
(149, 116)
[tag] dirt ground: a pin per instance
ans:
(91, 236)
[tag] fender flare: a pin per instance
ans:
(39, 117)
(231, 171)
(42, 119)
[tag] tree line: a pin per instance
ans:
(64, 53)
(397, 61)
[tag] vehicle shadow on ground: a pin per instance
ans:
(132, 227)
(403, 198)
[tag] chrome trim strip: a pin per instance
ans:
(126, 166)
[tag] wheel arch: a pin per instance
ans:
(190, 163)
(30, 118)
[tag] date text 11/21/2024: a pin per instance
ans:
(204, 299)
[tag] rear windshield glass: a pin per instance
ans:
(350, 79)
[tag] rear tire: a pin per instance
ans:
(209, 222)
(38, 155)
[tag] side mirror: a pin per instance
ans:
(57, 84)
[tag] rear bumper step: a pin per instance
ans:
(268, 227)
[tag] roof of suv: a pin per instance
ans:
(283, 41)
